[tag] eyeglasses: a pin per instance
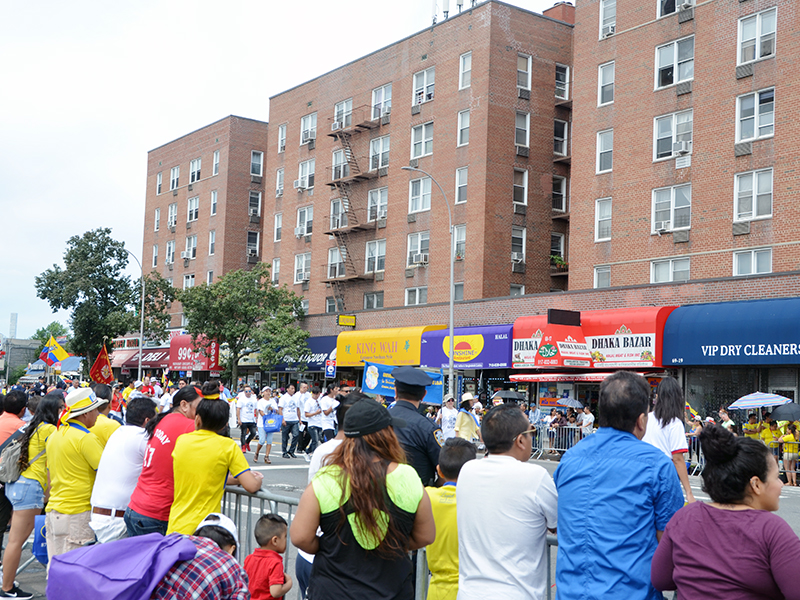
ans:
(523, 433)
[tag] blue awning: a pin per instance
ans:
(753, 332)
(320, 349)
(484, 347)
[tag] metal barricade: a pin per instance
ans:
(557, 440)
(696, 459)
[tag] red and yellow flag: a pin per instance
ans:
(101, 369)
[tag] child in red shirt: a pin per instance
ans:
(264, 567)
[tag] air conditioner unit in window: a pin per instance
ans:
(278, 192)
(297, 184)
(686, 5)
(299, 231)
(517, 257)
(253, 212)
(682, 147)
(387, 110)
(336, 126)
(306, 276)
(186, 254)
(309, 135)
(382, 213)
(608, 31)
(660, 226)
(252, 252)
(420, 259)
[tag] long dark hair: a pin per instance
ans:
(669, 403)
(47, 412)
(366, 479)
(189, 393)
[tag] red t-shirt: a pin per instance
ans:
(148, 389)
(264, 568)
(154, 490)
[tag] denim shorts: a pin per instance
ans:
(25, 494)
(264, 437)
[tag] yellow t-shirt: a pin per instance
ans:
(466, 427)
(750, 430)
(790, 444)
(201, 462)
(38, 470)
(104, 427)
(127, 392)
(768, 435)
(73, 454)
(443, 553)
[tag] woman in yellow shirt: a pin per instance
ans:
(790, 451)
(28, 493)
(467, 423)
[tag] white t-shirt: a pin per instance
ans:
(265, 406)
(247, 407)
(300, 399)
(312, 406)
(119, 468)
(328, 403)
(449, 416)
(587, 423)
(157, 389)
(289, 407)
(505, 556)
(165, 402)
(670, 439)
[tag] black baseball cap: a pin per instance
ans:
(368, 416)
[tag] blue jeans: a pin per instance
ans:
(302, 571)
(291, 428)
(141, 525)
(316, 434)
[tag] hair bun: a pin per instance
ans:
(718, 444)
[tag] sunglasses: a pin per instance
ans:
(523, 433)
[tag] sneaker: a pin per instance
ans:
(15, 592)
(292, 454)
(285, 455)
(307, 457)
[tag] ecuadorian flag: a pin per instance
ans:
(53, 352)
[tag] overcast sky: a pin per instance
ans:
(88, 88)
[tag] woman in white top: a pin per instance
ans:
(447, 417)
(665, 429)
(265, 406)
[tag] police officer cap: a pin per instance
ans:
(410, 376)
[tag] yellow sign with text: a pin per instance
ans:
(347, 320)
(397, 346)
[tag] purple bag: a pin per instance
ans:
(127, 569)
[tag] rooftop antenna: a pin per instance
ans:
(446, 7)
(459, 4)
(433, 11)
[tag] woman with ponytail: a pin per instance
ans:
(733, 547)
(372, 509)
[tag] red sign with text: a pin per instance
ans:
(184, 357)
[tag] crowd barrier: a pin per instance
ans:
(555, 440)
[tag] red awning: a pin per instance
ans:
(527, 335)
(118, 357)
(625, 337)
(566, 377)
(152, 358)
(563, 346)
(182, 356)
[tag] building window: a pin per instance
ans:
(276, 270)
(302, 267)
(560, 138)
(602, 277)
(373, 300)
(377, 202)
(557, 244)
(672, 208)
(194, 209)
(170, 255)
(522, 128)
(465, 71)
(305, 220)
(602, 220)
(282, 138)
(753, 195)
(562, 82)
(379, 153)
(213, 202)
(518, 243)
(216, 163)
(155, 255)
(174, 178)
(212, 242)
(334, 304)
(279, 183)
(756, 115)
(157, 220)
(304, 306)
(169, 281)
(305, 174)
(461, 241)
(663, 271)
(463, 128)
(675, 62)
(605, 84)
(416, 296)
(338, 213)
(381, 101)
(422, 140)
(308, 128)
(418, 248)
(376, 256)
(752, 262)
(608, 17)
(188, 281)
(336, 266)
(673, 134)
(419, 195)
(461, 184)
(458, 292)
(343, 113)
(559, 193)
(172, 214)
(520, 186)
(209, 277)
(757, 36)
(605, 151)
(256, 163)
(278, 226)
(254, 204)
(194, 170)
(423, 86)
(516, 290)
(158, 183)
(523, 71)
(191, 247)
(340, 167)
(667, 7)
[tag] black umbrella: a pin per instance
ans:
(787, 412)
(509, 395)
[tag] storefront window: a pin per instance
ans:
(708, 390)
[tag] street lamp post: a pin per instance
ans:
(141, 315)
(450, 370)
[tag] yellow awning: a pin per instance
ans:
(396, 346)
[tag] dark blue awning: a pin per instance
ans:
(320, 349)
(753, 332)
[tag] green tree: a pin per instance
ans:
(15, 374)
(159, 294)
(93, 285)
(245, 312)
(54, 329)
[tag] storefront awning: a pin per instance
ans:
(556, 377)
(152, 358)
(182, 356)
(393, 346)
(320, 349)
(486, 347)
(119, 357)
(527, 335)
(752, 332)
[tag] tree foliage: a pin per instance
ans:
(54, 329)
(244, 311)
(159, 294)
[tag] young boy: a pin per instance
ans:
(443, 553)
(201, 462)
(264, 567)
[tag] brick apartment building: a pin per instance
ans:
(204, 202)
(686, 162)
(476, 101)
